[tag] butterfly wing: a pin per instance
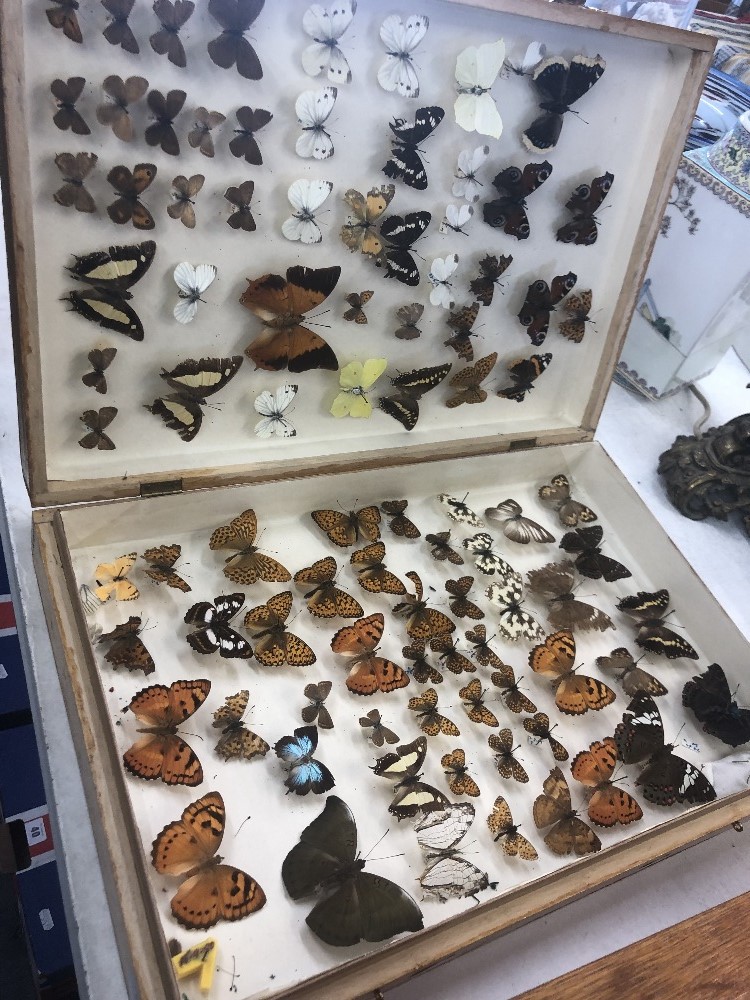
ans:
(193, 839)
(397, 72)
(667, 779)
(366, 907)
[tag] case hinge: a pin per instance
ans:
(162, 488)
(523, 444)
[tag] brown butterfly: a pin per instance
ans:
(118, 31)
(399, 524)
(554, 582)
(325, 600)
(247, 565)
(357, 301)
(505, 762)
(556, 494)
(441, 549)
(482, 652)
(608, 804)
(422, 622)
(237, 742)
(473, 698)
(422, 671)
(633, 678)
(502, 827)
(75, 168)
(64, 18)
(164, 110)
(129, 186)
(491, 269)
(345, 527)
(539, 727)
(578, 308)
(212, 891)
(244, 145)
(469, 380)
(115, 112)
(515, 700)
(460, 781)
(369, 673)
(184, 190)
(160, 752)
(569, 834)
(583, 203)
(274, 646)
(372, 574)
(516, 527)
(231, 47)
(66, 93)
(242, 218)
(97, 421)
(166, 41)
(127, 649)
(379, 733)
(458, 603)
(575, 693)
(360, 232)
(162, 559)
(408, 317)
(204, 122)
(461, 323)
(316, 711)
(429, 720)
(449, 656)
(541, 300)
(100, 362)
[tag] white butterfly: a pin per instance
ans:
(397, 72)
(441, 270)
(513, 621)
(456, 217)
(466, 184)
(488, 560)
(326, 27)
(476, 71)
(533, 55)
(313, 108)
(448, 873)
(459, 511)
(271, 407)
(191, 284)
(305, 197)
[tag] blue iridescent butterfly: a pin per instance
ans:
(305, 773)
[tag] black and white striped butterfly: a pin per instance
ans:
(313, 108)
(448, 875)
(513, 621)
(649, 610)
(400, 233)
(403, 766)
(486, 558)
(516, 527)
(405, 163)
(458, 510)
(212, 633)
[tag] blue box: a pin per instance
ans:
(41, 900)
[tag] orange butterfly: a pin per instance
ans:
(275, 646)
(500, 822)
(369, 673)
(161, 570)
(429, 720)
(345, 528)
(468, 382)
(212, 891)
(449, 656)
(473, 698)
(458, 603)
(326, 600)
(575, 693)
(515, 700)
(247, 565)
(482, 651)
(421, 670)
(422, 622)
(505, 762)
(372, 574)
(594, 768)
(111, 578)
(161, 753)
(569, 834)
(460, 781)
(539, 726)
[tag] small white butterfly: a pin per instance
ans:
(476, 71)
(397, 72)
(305, 197)
(272, 407)
(325, 27)
(191, 284)
(441, 270)
(456, 217)
(466, 185)
(313, 108)
(533, 55)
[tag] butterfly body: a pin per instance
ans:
(99, 360)
(556, 494)
(477, 68)
(449, 655)
(316, 711)
(129, 186)
(575, 694)
(326, 27)
(486, 557)
(608, 805)
(441, 549)
(507, 766)
(74, 169)
(193, 382)
(246, 565)
(96, 421)
(274, 646)
(212, 633)
(429, 720)
(516, 527)
(405, 163)
(172, 15)
(709, 698)
(369, 673)
(421, 669)
(306, 774)
(66, 93)
(346, 528)
(403, 766)
(491, 269)
(376, 731)
(648, 610)
(422, 621)
(449, 875)
(360, 233)
(115, 112)
(483, 652)
(461, 322)
(539, 727)
(372, 575)
(183, 206)
(399, 524)
(240, 197)
(110, 273)
(397, 72)
(161, 569)
(161, 752)
(272, 407)
(244, 145)
(555, 582)
(590, 561)
(524, 372)
(473, 698)
(204, 122)
(632, 677)
(513, 622)
(583, 203)
(400, 233)
(325, 600)
(458, 602)
(514, 699)
(508, 212)
(111, 579)
(64, 18)
(231, 48)
(502, 827)
(468, 382)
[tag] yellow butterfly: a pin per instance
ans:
(355, 379)
(111, 579)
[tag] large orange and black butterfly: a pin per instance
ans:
(246, 565)
(422, 622)
(127, 649)
(161, 569)
(569, 834)
(161, 752)
(237, 742)
(274, 646)
(344, 528)
(505, 761)
(325, 599)
(502, 827)
(473, 698)
(575, 693)
(400, 524)
(429, 720)
(449, 655)
(369, 673)
(212, 891)
(282, 303)
(608, 804)
(460, 781)
(515, 700)
(372, 574)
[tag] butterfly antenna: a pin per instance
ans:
(378, 842)
(242, 824)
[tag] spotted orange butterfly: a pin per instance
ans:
(161, 570)
(326, 600)
(422, 621)
(575, 693)
(372, 574)
(538, 726)
(247, 565)
(569, 834)
(459, 603)
(237, 741)
(473, 698)
(515, 700)
(460, 781)
(482, 652)
(505, 761)
(421, 670)
(127, 649)
(608, 804)
(275, 646)
(345, 528)
(429, 720)
(369, 673)
(502, 827)
(449, 655)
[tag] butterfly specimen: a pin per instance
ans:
(583, 203)
(449, 655)
(372, 574)
(359, 233)
(455, 218)
(212, 891)
(244, 145)
(326, 27)
(533, 55)
(66, 93)
(204, 122)
(375, 730)
(422, 621)
(466, 185)
(505, 679)
(459, 511)
(513, 622)
(274, 646)
(357, 905)
(192, 281)
(166, 41)
(421, 670)
(405, 163)
(316, 711)
(556, 494)
(111, 579)
(665, 778)
(246, 565)
(212, 633)
(231, 48)
(554, 582)
(184, 190)
(305, 773)
(708, 696)
(313, 108)
(516, 527)
(64, 18)
(473, 698)
(482, 652)
(569, 834)
(502, 827)
(458, 602)
(161, 569)
(468, 382)
(429, 720)
(282, 303)
(540, 303)
(477, 68)
(237, 742)
(115, 112)
(355, 381)
(508, 212)
(129, 186)
(538, 726)
(403, 404)
(75, 167)
(404, 766)
(559, 84)
(441, 270)
(127, 648)
(400, 233)
(441, 549)
(649, 611)
(357, 302)
(100, 360)
(345, 528)
(575, 693)
(491, 269)
(507, 766)
(448, 873)
(240, 197)
(305, 197)
(397, 72)
(369, 673)
(118, 31)
(590, 561)
(608, 804)
(632, 677)
(160, 752)
(399, 523)
(272, 407)
(325, 600)
(524, 372)
(461, 322)
(164, 110)
(486, 558)
(192, 381)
